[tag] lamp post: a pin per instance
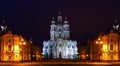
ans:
(22, 43)
(99, 42)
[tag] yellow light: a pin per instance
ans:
(104, 47)
(98, 38)
(16, 47)
(22, 40)
(96, 42)
(24, 43)
(87, 55)
(101, 42)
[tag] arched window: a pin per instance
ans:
(111, 40)
(68, 46)
(73, 47)
(9, 47)
(47, 47)
(9, 40)
(111, 47)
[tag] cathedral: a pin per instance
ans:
(60, 46)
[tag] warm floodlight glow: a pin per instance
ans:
(24, 43)
(97, 42)
(16, 47)
(104, 47)
(101, 42)
(99, 39)
(22, 40)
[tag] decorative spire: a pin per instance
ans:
(59, 13)
(53, 20)
(65, 18)
(3, 26)
(31, 41)
(59, 18)
(66, 21)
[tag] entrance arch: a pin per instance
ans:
(60, 52)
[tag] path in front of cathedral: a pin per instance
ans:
(62, 63)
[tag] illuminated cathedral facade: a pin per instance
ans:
(60, 46)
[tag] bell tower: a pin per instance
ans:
(52, 29)
(66, 29)
(59, 18)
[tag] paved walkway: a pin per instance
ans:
(63, 63)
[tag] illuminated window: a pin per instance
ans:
(111, 47)
(104, 47)
(9, 47)
(16, 47)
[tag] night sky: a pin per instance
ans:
(31, 18)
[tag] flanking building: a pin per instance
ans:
(13, 47)
(35, 52)
(60, 46)
(106, 47)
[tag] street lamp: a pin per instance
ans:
(99, 42)
(22, 43)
